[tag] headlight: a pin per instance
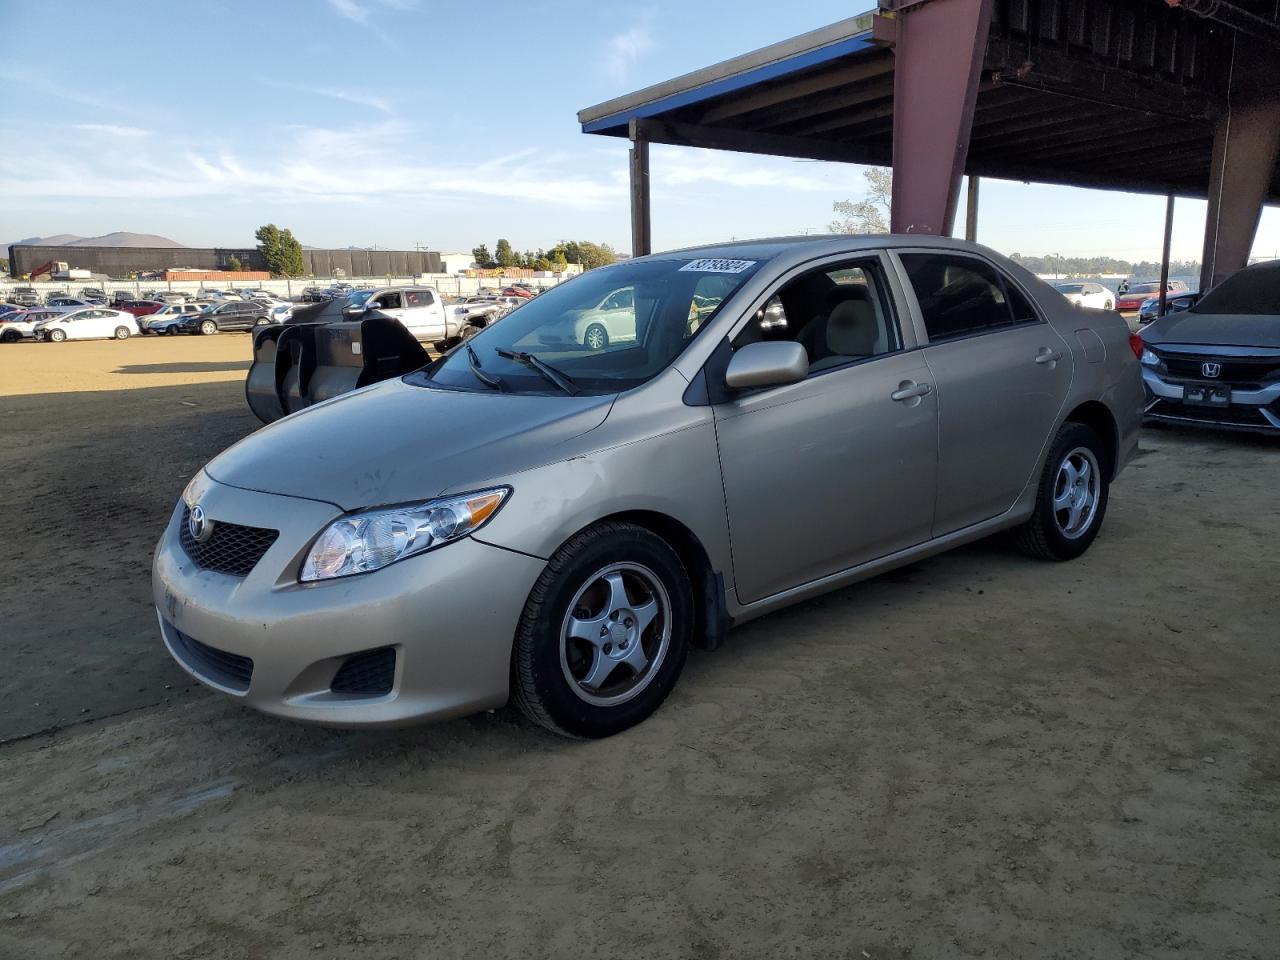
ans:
(361, 542)
(1149, 359)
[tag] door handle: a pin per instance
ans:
(909, 390)
(1048, 356)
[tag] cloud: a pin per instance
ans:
(351, 9)
(381, 104)
(357, 163)
(684, 167)
(111, 129)
(623, 50)
(361, 12)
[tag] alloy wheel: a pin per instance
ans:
(1075, 492)
(615, 634)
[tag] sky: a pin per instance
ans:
(403, 123)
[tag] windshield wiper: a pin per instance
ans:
(487, 379)
(561, 380)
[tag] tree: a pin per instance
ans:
(594, 255)
(281, 252)
(558, 263)
(482, 257)
(234, 264)
(503, 253)
(871, 213)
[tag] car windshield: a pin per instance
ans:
(1144, 288)
(358, 297)
(1254, 290)
(606, 331)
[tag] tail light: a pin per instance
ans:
(1135, 344)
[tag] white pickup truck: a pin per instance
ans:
(421, 310)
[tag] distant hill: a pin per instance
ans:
(118, 239)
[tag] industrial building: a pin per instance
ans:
(122, 262)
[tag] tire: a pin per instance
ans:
(57, 336)
(10, 336)
(261, 322)
(1109, 305)
(208, 328)
(590, 689)
(596, 337)
(1070, 502)
(467, 332)
(122, 333)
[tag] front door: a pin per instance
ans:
(838, 469)
(1002, 374)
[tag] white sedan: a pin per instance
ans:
(95, 323)
(1087, 294)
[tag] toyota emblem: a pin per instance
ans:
(198, 525)
(1211, 369)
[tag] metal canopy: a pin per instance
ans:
(1095, 93)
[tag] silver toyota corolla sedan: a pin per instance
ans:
(534, 518)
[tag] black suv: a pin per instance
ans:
(233, 315)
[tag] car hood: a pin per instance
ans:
(1218, 329)
(396, 443)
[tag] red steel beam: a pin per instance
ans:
(939, 47)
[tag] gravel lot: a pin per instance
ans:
(978, 755)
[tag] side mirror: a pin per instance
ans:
(767, 364)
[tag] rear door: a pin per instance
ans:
(1002, 374)
(422, 315)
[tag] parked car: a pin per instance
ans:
(278, 310)
(20, 324)
(166, 319)
(69, 303)
(612, 320)
(94, 295)
(140, 308)
(524, 293)
(93, 323)
(1150, 309)
(10, 308)
(1217, 363)
(171, 296)
(529, 519)
(25, 296)
(421, 310)
(230, 315)
(1131, 300)
(1085, 293)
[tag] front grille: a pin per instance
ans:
(372, 673)
(1247, 373)
(231, 549)
(226, 669)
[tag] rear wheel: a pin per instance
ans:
(1108, 305)
(122, 333)
(10, 336)
(261, 322)
(208, 328)
(604, 634)
(596, 337)
(1072, 499)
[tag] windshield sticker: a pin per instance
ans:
(718, 266)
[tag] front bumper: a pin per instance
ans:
(1256, 411)
(450, 616)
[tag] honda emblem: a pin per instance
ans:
(1211, 369)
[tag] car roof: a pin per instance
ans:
(812, 245)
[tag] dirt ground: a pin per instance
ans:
(979, 755)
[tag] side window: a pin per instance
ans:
(411, 299)
(839, 314)
(391, 300)
(427, 298)
(959, 296)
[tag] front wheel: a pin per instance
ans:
(1072, 497)
(604, 633)
(1108, 305)
(261, 322)
(122, 333)
(10, 336)
(208, 328)
(57, 336)
(596, 337)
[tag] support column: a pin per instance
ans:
(1164, 256)
(971, 211)
(1245, 146)
(939, 46)
(641, 242)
